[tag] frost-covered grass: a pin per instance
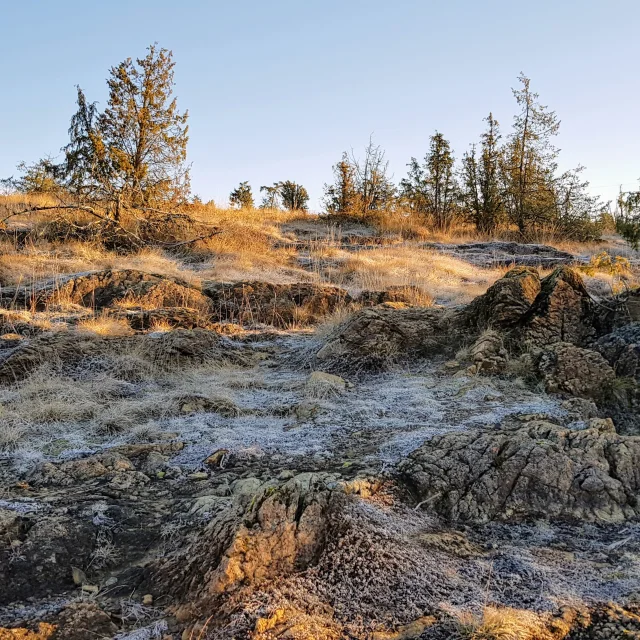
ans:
(261, 411)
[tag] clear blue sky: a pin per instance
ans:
(278, 89)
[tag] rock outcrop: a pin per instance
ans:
(173, 349)
(505, 302)
(259, 536)
(562, 312)
(540, 470)
(280, 305)
(582, 373)
(373, 339)
(498, 253)
(621, 349)
(108, 288)
(528, 312)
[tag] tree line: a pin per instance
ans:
(132, 157)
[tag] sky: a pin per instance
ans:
(278, 89)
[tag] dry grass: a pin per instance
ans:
(266, 244)
(104, 325)
(12, 432)
(252, 244)
(502, 624)
(432, 275)
(48, 260)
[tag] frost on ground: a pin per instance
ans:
(263, 412)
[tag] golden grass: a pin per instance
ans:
(432, 275)
(502, 623)
(104, 325)
(265, 245)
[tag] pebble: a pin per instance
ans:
(90, 588)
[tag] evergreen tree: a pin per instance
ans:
(144, 134)
(415, 193)
(470, 193)
(481, 180)
(576, 211)
(530, 161)
(89, 173)
(288, 194)
(432, 189)
(294, 196)
(628, 217)
(342, 195)
(242, 197)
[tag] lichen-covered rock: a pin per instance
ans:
(562, 312)
(488, 354)
(280, 305)
(541, 470)
(505, 302)
(109, 287)
(579, 372)
(375, 338)
(262, 535)
(621, 349)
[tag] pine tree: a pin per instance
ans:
(242, 197)
(432, 189)
(342, 195)
(294, 196)
(144, 134)
(530, 161)
(481, 180)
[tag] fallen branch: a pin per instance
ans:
(137, 239)
(76, 207)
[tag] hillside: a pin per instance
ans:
(315, 427)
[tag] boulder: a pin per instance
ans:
(621, 349)
(265, 533)
(540, 470)
(280, 305)
(488, 353)
(110, 287)
(579, 372)
(505, 301)
(562, 312)
(374, 338)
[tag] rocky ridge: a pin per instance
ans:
(244, 547)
